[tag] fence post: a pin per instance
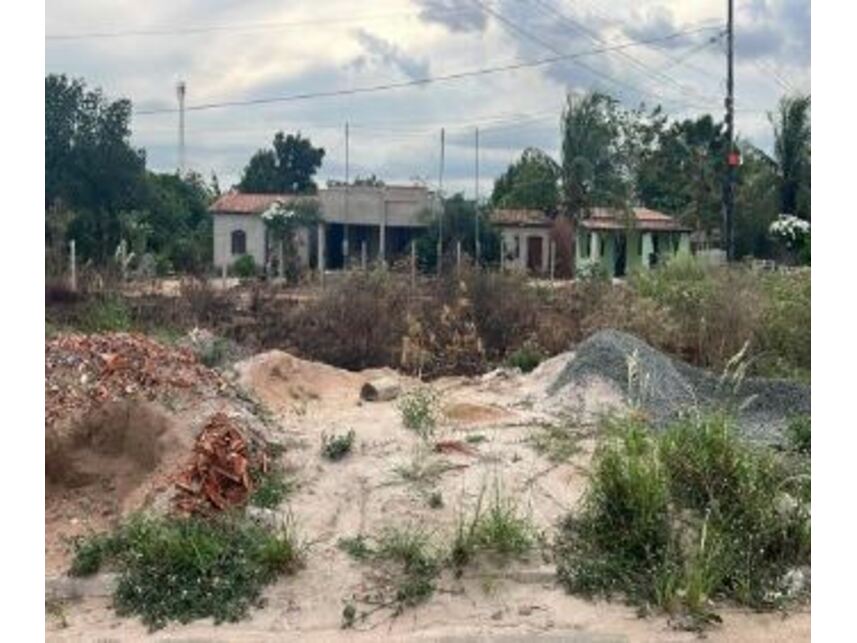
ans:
(321, 250)
(72, 265)
(553, 258)
(363, 255)
(502, 254)
(458, 257)
(413, 263)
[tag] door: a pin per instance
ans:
(534, 254)
(620, 252)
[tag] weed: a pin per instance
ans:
(56, 609)
(476, 438)
(526, 358)
(678, 517)
(336, 447)
(105, 314)
(435, 500)
(412, 547)
(270, 488)
(423, 469)
(349, 615)
(213, 353)
(181, 569)
(557, 442)
(799, 434)
(419, 411)
(356, 547)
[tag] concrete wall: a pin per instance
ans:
(392, 206)
(515, 246)
(253, 227)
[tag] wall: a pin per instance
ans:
(392, 206)
(519, 261)
(253, 227)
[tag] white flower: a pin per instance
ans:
(789, 229)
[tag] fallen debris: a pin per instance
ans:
(382, 389)
(217, 476)
(454, 446)
(82, 371)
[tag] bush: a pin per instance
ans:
(799, 434)
(525, 358)
(684, 516)
(784, 334)
(104, 314)
(244, 267)
(336, 447)
(419, 411)
(181, 569)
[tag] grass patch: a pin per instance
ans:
(182, 569)
(271, 488)
(799, 434)
(435, 500)
(686, 516)
(357, 547)
(526, 358)
(556, 442)
(336, 447)
(104, 314)
(476, 438)
(419, 411)
(423, 469)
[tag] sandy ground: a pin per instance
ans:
(366, 492)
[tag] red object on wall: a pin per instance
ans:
(734, 158)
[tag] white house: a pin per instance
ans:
(525, 238)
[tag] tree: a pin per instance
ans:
(90, 167)
(458, 224)
(681, 169)
(596, 166)
(756, 203)
(288, 168)
(530, 182)
(284, 221)
(792, 138)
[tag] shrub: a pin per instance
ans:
(336, 447)
(244, 267)
(419, 410)
(681, 517)
(181, 569)
(107, 313)
(784, 334)
(800, 434)
(270, 488)
(525, 358)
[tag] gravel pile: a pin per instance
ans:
(665, 387)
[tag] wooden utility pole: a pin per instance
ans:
(345, 227)
(731, 155)
(72, 259)
(476, 244)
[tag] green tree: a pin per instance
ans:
(288, 168)
(596, 164)
(530, 182)
(756, 203)
(90, 167)
(792, 142)
(681, 169)
(458, 224)
(283, 223)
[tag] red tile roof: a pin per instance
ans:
(239, 203)
(644, 219)
(520, 217)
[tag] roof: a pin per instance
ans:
(644, 219)
(240, 203)
(520, 218)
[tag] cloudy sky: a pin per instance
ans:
(233, 52)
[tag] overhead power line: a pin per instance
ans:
(484, 71)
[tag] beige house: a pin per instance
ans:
(380, 219)
(525, 239)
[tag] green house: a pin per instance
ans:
(624, 240)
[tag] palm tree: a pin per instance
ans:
(792, 153)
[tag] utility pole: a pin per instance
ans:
(731, 155)
(345, 226)
(477, 245)
(440, 197)
(181, 89)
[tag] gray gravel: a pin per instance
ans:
(667, 386)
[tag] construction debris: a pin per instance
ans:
(218, 474)
(82, 371)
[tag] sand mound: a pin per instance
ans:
(665, 386)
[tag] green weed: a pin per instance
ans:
(419, 411)
(336, 447)
(557, 442)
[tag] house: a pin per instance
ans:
(621, 240)
(524, 237)
(381, 219)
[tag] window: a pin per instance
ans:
(239, 242)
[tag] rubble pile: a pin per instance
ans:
(218, 473)
(82, 371)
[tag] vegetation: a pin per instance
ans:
(244, 267)
(181, 569)
(270, 488)
(684, 517)
(800, 434)
(105, 314)
(525, 358)
(288, 168)
(556, 441)
(419, 410)
(336, 447)
(530, 182)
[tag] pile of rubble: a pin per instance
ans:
(218, 474)
(82, 371)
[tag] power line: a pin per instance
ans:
(273, 25)
(597, 39)
(422, 81)
(529, 35)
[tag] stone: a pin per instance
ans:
(381, 389)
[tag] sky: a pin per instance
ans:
(234, 51)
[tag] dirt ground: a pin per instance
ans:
(373, 487)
